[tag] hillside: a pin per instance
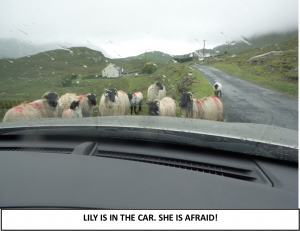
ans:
(83, 61)
(55, 64)
(256, 41)
(154, 56)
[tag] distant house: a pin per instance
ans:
(112, 71)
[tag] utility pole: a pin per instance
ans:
(203, 50)
(227, 46)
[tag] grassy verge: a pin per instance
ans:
(271, 81)
(278, 71)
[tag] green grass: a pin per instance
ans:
(278, 72)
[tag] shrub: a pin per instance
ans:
(149, 68)
(67, 80)
(183, 59)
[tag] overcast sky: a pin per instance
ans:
(131, 27)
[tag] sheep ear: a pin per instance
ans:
(45, 96)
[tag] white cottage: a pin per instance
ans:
(112, 71)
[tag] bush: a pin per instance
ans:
(73, 76)
(182, 87)
(183, 59)
(149, 68)
(67, 80)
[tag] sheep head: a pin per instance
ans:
(129, 96)
(159, 85)
(153, 107)
(74, 104)
(185, 98)
(111, 94)
(51, 98)
(92, 99)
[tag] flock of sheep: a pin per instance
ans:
(117, 102)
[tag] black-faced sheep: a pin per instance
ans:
(207, 108)
(42, 108)
(86, 102)
(114, 102)
(163, 107)
(74, 111)
(156, 91)
(135, 99)
(218, 89)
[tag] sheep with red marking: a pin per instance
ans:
(86, 102)
(163, 107)
(135, 99)
(38, 109)
(156, 91)
(74, 111)
(114, 102)
(218, 89)
(207, 108)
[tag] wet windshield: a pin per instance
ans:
(225, 61)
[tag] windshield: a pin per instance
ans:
(228, 62)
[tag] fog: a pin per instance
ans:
(131, 27)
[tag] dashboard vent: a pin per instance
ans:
(51, 150)
(225, 171)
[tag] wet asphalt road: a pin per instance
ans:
(247, 102)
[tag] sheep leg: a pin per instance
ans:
(135, 110)
(131, 109)
(140, 105)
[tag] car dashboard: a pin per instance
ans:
(45, 168)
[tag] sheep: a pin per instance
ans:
(218, 89)
(74, 111)
(163, 107)
(87, 102)
(156, 91)
(207, 108)
(136, 74)
(42, 108)
(114, 102)
(135, 99)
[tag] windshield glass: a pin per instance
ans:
(225, 61)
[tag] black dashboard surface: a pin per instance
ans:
(112, 173)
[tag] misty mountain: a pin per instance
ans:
(13, 48)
